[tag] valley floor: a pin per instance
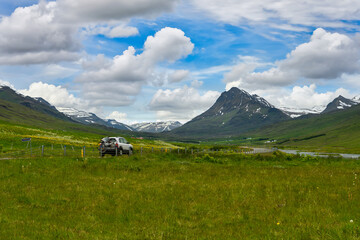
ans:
(170, 196)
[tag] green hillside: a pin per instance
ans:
(335, 131)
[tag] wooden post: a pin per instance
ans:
(84, 151)
(192, 151)
(116, 151)
(64, 150)
(152, 149)
(42, 151)
(141, 150)
(178, 150)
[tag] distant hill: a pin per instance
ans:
(156, 127)
(331, 131)
(40, 105)
(90, 118)
(339, 103)
(234, 112)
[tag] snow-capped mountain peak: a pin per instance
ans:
(156, 127)
(356, 99)
(91, 118)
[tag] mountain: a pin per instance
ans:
(234, 112)
(156, 127)
(339, 103)
(40, 105)
(91, 118)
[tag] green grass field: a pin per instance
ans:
(171, 196)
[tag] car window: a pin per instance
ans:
(112, 140)
(122, 140)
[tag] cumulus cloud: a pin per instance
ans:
(282, 14)
(124, 75)
(33, 35)
(168, 44)
(326, 56)
(49, 32)
(57, 96)
(182, 103)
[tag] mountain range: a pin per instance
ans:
(236, 113)
(74, 115)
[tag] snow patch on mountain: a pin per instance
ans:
(297, 112)
(72, 112)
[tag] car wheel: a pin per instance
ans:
(130, 152)
(120, 152)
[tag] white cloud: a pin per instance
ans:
(282, 13)
(302, 97)
(182, 103)
(6, 83)
(116, 31)
(122, 31)
(87, 11)
(168, 44)
(118, 116)
(57, 96)
(326, 56)
(196, 83)
(117, 81)
(32, 35)
(49, 32)
(178, 76)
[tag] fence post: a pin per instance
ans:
(185, 150)
(116, 151)
(141, 150)
(178, 150)
(64, 150)
(42, 151)
(152, 149)
(192, 151)
(84, 151)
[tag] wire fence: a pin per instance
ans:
(47, 151)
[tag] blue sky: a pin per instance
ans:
(170, 59)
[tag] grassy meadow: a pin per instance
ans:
(169, 194)
(178, 196)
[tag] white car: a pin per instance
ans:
(115, 146)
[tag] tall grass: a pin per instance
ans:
(171, 196)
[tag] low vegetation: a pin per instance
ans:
(178, 196)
